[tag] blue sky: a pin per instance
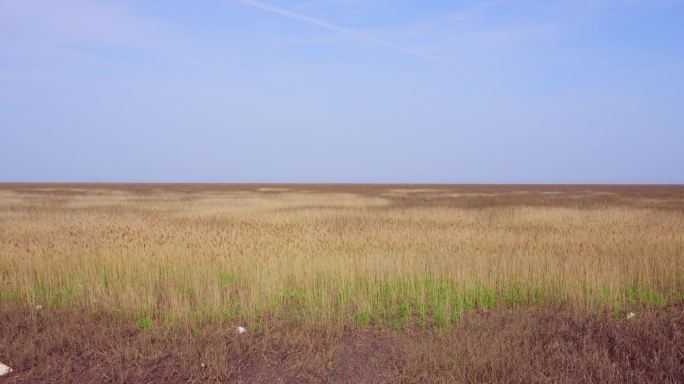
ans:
(584, 91)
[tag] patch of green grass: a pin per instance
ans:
(225, 278)
(481, 296)
(468, 301)
(455, 316)
(440, 319)
(395, 322)
(405, 313)
(144, 323)
(536, 293)
(14, 295)
(642, 295)
(513, 296)
(363, 318)
(421, 315)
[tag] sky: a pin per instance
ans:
(372, 91)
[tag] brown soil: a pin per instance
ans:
(504, 346)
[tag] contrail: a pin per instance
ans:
(344, 31)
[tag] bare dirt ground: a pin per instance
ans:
(546, 345)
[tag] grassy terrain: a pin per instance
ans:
(159, 258)
(341, 283)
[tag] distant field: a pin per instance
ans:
(398, 258)
(398, 254)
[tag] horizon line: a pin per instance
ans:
(5, 183)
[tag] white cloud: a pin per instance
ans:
(349, 32)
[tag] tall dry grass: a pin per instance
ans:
(332, 256)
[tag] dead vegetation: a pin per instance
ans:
(523, 345)
(351, 255)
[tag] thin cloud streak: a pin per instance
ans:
(344, 31)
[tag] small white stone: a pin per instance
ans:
(4, 369)
(39, 307)
(203, 365)
(631, 316)
(241, 330)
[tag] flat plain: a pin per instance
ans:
(341, 283)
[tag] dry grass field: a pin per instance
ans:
(406, 283)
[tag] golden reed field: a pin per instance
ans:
(413, 269)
